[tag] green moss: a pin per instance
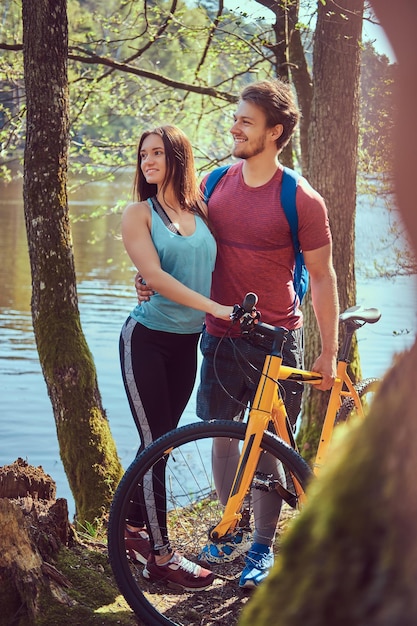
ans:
(87, 448)
(350, 558)
(93, 597)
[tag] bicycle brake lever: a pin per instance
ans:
(248, 321)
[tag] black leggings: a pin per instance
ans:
(158, 370)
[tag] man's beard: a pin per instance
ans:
(244, 151)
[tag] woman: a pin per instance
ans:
(166, 235)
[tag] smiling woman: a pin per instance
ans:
(167, 237)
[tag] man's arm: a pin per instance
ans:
(143, 292)
(325, 302)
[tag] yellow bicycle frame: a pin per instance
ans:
(268, 406)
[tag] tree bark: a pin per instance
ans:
(290, 62)
(21, 577)
(332, 169)
(301, 79)
(86, 446)
(33, 526)
(350, 559)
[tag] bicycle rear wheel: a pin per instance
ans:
(366, 390)
(193, 508)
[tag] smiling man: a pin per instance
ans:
(255, 253)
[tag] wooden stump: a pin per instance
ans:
(20, 480)
(33, 525)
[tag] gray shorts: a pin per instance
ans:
(226, 361)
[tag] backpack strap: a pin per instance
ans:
(290, 180)
(212, 180)
(288, 190)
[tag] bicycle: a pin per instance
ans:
(194, 512)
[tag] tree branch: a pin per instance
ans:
(94, 59)
(211, 32)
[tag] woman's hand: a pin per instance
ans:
(221, 311)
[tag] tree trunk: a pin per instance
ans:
(286, 16)
(304, 87)
(33, 526)
(350, 559)
(86, 446)
(332, 169)
(290, 61)
(21, 579)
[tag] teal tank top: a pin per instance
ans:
(191, 261)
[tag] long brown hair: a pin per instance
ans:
(180, 170)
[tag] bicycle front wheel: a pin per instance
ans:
(366, 390)
(193, 509)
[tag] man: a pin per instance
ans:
(255, 253)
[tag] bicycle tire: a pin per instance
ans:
(152, 602)
(364, 388)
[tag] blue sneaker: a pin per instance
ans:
(259, 561)
(227, 550)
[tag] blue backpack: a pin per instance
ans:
(288, 190)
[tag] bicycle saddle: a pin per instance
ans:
(360, 314)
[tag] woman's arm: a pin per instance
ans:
(136, 226)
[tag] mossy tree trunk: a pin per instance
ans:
(332, 170)
(350, 559)
(86, 446)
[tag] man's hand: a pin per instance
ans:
(326, 366)
(143, 291)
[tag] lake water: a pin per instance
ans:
(106, 295)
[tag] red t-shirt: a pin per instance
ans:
(254, 246)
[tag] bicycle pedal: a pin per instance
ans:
(264, 482)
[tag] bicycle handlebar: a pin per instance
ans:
(247, 314)
(253, 329)
(356, 315)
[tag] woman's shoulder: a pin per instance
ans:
(136, 208)
(136, 213)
